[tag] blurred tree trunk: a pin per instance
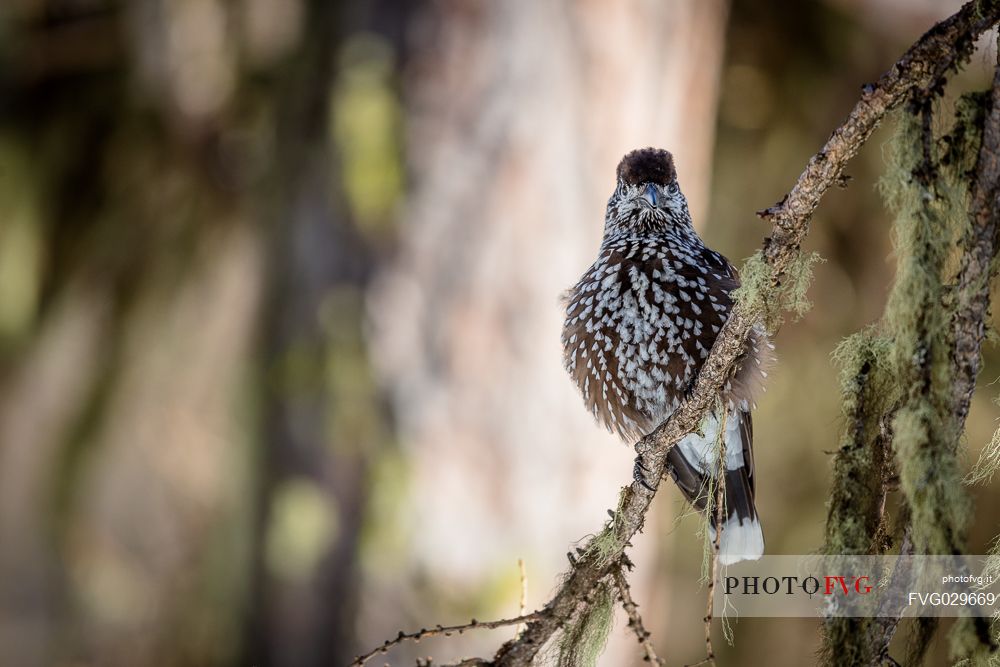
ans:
(322, 419)
(138, 189)
(518, 113)
(295, 579)
(119, 466)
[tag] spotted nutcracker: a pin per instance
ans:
(640, 324)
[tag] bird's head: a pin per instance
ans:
(647, 197)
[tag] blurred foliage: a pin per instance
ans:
(366, 130)
(197, 462)
(20, 245)
(301, 530)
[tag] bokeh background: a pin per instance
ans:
(280, 370)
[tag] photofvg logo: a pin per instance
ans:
(859, 586)
(794, 585)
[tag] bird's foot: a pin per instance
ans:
(641, 472)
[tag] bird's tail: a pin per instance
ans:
(691, 462)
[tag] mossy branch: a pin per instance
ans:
(929, 215)
(980, 244)
(925, 65)
(931, 336)
(862, 471)
(863, 465)
(917, 322)
(585, 635)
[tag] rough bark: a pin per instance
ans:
(978, 260)
(978, 266)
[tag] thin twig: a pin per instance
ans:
(445, 630)
(703, 661)
(719, 508)
(635, 620)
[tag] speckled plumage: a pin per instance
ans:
(641, 321)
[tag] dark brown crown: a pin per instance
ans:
(647, 165)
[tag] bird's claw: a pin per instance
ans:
(639, 471)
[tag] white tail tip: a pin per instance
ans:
(741, 540)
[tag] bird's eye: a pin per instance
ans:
(673, 189)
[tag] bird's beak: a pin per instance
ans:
(650, 195)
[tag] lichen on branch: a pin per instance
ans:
(918, 322)
(766, 291)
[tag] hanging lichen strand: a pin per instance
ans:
(856, 509)
(972, 640)
(586, 634)
(928, 190)
(929, 212)
(863, 462)
(896, 380)
(918, 317)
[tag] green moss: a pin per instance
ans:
(960, 147)
(761, 292)
(854, 512)
(930, 203)
(918, 320)
(868, 346)
(584, 638)
(855, 509)
(797, 280)
(901, 367)
(929, 476)
(966, 647)
(607, 545)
